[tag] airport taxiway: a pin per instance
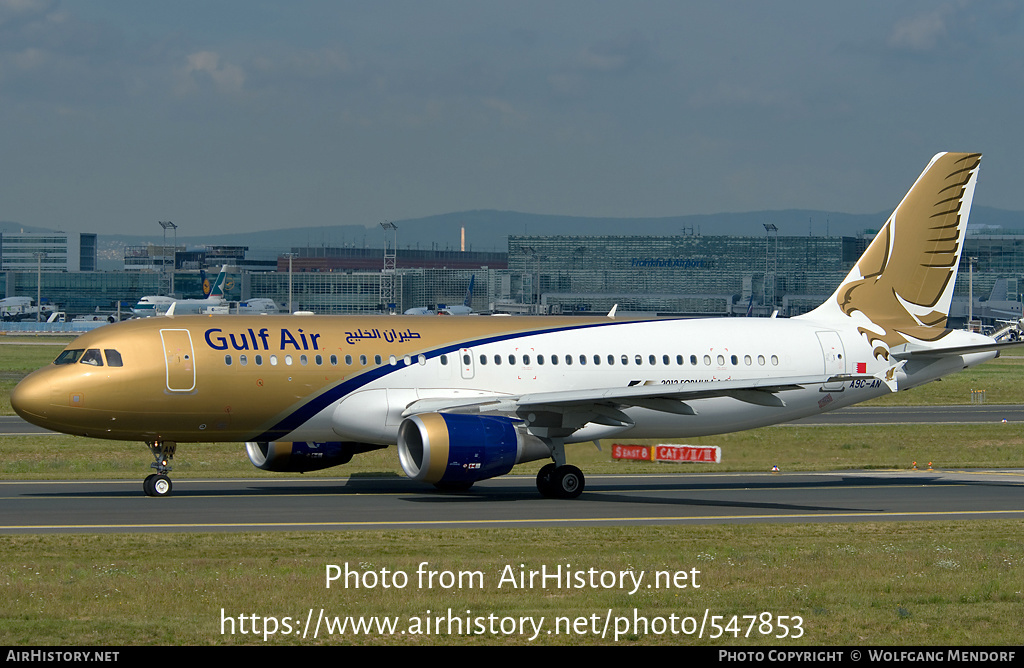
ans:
(358, 502)
(384, 502)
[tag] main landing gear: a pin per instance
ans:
(159, 484)
(560, 482)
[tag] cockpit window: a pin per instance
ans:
(93, 357)
(113, 357)
(68, 356)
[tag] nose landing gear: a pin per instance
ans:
(159, 484)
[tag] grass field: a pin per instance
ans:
(921, 583)
(946, 583)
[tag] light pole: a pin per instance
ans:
(770, 270)
(970, 292)
(388, 296)
(168, 225)
(39, 285)
(290, 256)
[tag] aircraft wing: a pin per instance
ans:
(575, 408)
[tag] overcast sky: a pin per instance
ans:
(230, 115)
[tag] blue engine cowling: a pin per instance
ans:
(443, 448)
(299, 456)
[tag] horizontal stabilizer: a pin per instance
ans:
(907, 353)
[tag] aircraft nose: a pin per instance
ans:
(31, 399)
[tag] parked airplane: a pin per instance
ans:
(258, 305)
(466, 308)
(24, 308)
(152, 305)
(467, 401)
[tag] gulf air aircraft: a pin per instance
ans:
(466, 399)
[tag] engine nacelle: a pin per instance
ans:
(299, 457)
(454, 448)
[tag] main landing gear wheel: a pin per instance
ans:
(157, 484)
(560, 482)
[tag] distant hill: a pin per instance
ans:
(488, 230)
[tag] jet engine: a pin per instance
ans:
(454, 450)
(300, 457)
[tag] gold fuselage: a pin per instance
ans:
(236, 378)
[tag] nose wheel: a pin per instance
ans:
(159, 484)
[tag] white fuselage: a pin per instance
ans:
(670, 352)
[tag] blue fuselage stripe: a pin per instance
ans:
(335, 393)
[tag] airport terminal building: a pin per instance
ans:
(686, 275)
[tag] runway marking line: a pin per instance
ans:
(423, 523)
(340, 495)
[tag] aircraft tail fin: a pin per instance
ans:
(901, 288)
(468, 302)
(217, 289)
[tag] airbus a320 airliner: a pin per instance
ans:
(467, 400)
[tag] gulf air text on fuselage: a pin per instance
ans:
(253, 340)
